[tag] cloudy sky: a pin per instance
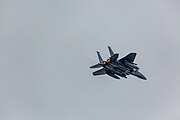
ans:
(46, 48)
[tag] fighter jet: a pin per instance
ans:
(115, 68)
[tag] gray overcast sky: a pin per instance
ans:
(46, 48)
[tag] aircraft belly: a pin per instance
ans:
(112, 75)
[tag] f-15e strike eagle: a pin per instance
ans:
(117, 68)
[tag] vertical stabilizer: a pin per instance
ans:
(99, 57)
(110, 51)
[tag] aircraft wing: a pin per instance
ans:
(130, 57)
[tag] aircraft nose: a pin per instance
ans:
(143, 77)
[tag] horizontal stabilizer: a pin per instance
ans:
(130, 57)
(96, 66)
(99, 72)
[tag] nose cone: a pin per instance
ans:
(139, 75)
(143, 77)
